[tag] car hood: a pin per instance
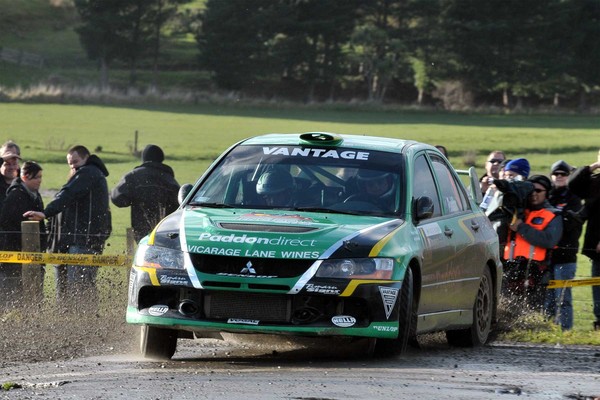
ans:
(274, 233)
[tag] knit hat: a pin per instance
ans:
(561, 166)
(519, 166)
(153, 153)
(542, 180)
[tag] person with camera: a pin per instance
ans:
(532, 235)
(559, 306)
(585, 183)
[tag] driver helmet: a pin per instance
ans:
(375, 182)
(276, 187)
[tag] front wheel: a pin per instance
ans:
(158, 343)
(483, 310)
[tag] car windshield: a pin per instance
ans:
(336, 180)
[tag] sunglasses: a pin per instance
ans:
(539, 190)
(495, 160)
(560, 174)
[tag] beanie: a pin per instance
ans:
(561, 166)
(153, 153)
(542, 180)
(518, 166)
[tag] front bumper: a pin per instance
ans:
(322, 308)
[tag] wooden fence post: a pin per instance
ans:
(130, 241)
(32, 274)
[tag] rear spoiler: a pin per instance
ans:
(473, 183)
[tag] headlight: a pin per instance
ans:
(357, 268)
(158, 257)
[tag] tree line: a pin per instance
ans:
(466, 51)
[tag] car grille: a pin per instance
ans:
(257, 306)
(238, 266)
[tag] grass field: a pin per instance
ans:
(192, 136)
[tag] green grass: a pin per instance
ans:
(193, 136)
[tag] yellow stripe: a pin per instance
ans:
(556, 284)
(379, 245)
(152, 273)
(355, 282)
(18, 257)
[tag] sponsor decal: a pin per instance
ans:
(243, 321)
(322, 289)
(385, 328)
(247, 275)
(316, 153)
(245, 239)
(343, 321)
(158, 310)
(432, 229)
(173, 280)
(388, 296)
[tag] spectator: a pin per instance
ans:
(528, 249)
(80, 222)
(443, 150)
(517, 169)
(22, 195)
(149, 189)
(559, 305)
(585, 183)
(503, 167)
(10, 146)
(9, 170)
(492, 167)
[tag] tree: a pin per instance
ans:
(101, 33)
(160, 12)
(498, 43)
(232, 40)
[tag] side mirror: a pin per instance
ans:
(184, 190)
(424, 208)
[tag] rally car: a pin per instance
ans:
(325, 235)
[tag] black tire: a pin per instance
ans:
(393, 347)
(483, 310)
(157, 343)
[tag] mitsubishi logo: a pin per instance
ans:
(248, 269)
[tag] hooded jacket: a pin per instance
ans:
(18, 201)
(151, 191)
(81, 209)
(568, 246)
(587, 186)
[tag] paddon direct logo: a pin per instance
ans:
(245, 239)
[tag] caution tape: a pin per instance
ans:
(556, 284)
(97, 260)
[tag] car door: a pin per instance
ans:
(459, 226)
(437, 249)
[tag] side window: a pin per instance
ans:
(453, 197)
(424, 184)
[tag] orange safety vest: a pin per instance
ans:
(519, 247)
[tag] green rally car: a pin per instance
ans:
(325, 235)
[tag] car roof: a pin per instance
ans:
(328, 139)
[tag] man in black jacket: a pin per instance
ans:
(80, 223)
(563, 264)
(150, 189)
(585, 183)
